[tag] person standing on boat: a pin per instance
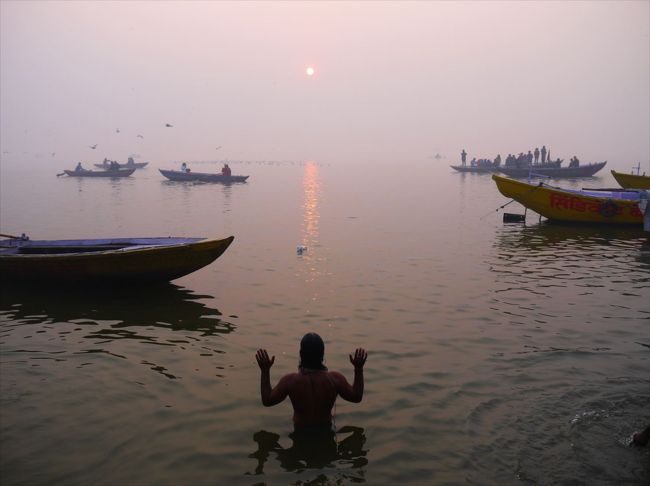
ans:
(463, 157)
(225, 171)
(313, 390)
(529, 158)
(543, 152)
(497, 160)
(536, 155)
(183, 167)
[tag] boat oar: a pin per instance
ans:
(10, 236)
(59, 175)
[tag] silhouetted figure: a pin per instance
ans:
(529, 158)
(463, 157)
(313, 390)
(78, 168)
(574, 162)
(536, 155)
(497, 160)
(225, 171)
(543, 152)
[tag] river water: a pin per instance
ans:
(498, 353)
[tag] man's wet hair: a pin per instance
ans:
(312, 352)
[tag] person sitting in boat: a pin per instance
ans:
(574, 162)
(184, 167)
(473, 162)
(78, 168)
(130, 161)
(105, 162)
(114, 165)
(225, 171)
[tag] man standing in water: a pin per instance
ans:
(313, 390)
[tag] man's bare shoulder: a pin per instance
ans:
(337, 376)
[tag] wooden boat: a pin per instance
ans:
(102, 260)
(474, 169)
(588, 206)
(553, 172)
(99, 173)
(177, 175)
(632, 181)
(134, 165)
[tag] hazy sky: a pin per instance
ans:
(393, 81)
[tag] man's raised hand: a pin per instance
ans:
(263, 360)
(359, 358)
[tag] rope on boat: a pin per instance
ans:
(511, 201)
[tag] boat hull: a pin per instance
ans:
(576, 206)
(96, 173)
(553, 172)
(152, 259)
(176, 175)
(136, 165)
(475, 169)
(632, 181)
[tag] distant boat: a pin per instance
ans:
(98, 173)
(476, 169)
(553, 172)
(586, 206)
(123, 259)
(177, 175)
(632, 181)
(135, 165)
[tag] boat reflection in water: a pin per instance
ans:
(136, 325)
(316, 450)
(159, 306)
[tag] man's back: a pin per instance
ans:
(312, 391)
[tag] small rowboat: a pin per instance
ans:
(102, 260)
(632, 181)
(135, 165)
(177, 175)
(97, 173)
(587, 206)
(475, 169)
(553, 172)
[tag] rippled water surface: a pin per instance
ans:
(498, 354)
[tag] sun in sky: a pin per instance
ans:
(310, 71)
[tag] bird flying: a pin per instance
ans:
(168, 125)
(139, 136)
(93, 146)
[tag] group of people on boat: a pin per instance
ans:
(112, 164)
(531, 158)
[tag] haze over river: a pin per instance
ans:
(498, 353)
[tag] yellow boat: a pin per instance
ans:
(123, 259)
(587, 206)
(632, 181)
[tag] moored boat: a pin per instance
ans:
(178, 175)
(103, 260)
(587, 206)
(100, 173)
(553, 172)
(632, 181)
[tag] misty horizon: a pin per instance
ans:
(392, 81)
